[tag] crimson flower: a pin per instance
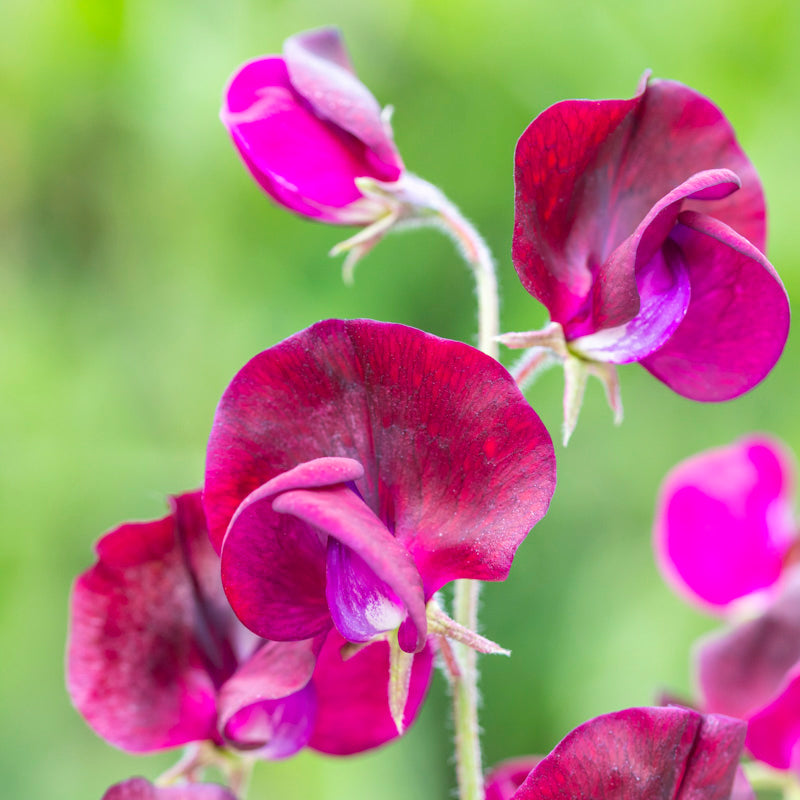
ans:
(726, 538)
(640, 225)
(307, 128)
(356, 468)
(157, 659)
(635, 754)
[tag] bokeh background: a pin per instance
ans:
(140, 267)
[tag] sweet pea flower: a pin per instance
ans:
(640, 225)
(141, 789)
(636, 754)
(157, 659)
(357, 467)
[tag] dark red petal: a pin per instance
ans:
(353, 698)
(457, 465)
(342, 514)
(151, 634)
(742, 669)
(141, 789)
(320, 71)
(738, 318)
(648, 753)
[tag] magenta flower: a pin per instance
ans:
(640, 225)
(141, 789)
(724, 523)
(356, 468)
(307, 129)
(635, 754)
(157, 659)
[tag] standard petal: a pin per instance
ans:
(353, 706)
(273, 570)
(147, 644)
(724, 521)
(738, 318)
(741, 670)
(320, 71)
(142, 789)
(356, 600)
(506, 777)
(671, 753)
(456, 463)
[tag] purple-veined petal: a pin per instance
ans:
(615, 290)
(506, 777)
(142, 789)
(724, 521)
(742, 669)
(773, 733)
(738, 317)
(274, 728)
(353, 700)
(320, 71)
(588, 172)
(273, 571)
(361, 604)
(251, 703)
(456, 463)
(355, 599)
(151, 636)
(671, 753)
(663, 288)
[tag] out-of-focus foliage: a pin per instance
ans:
(140, 267)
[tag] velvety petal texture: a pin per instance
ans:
(306, 128)
(141, 789)
(724, 521)
(671, 753)
(639, 224)
(455, 469)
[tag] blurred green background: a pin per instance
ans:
(140, 267)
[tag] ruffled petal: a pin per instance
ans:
(320, 71)
(724, 521)
(150, 635)
(737, 322)
(142, 789)
(353, 706)
(672, 753)
(456, 463)
(742, 669)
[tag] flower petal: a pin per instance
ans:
(724, 521)
(738, 318)
(506, 777)
(742, 669)
(151, 634)
(642, 753)
(773, 733)
(142, 789)
(353, 704)
(456, 463)
(320, 71)
(342, 514)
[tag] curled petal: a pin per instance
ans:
(456, 464)
(724, 521)
(353, 712)
(743, 669)
(142, 789)
(642, 753)
(150, 635)
(737, 322)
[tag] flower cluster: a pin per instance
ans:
(358, 467)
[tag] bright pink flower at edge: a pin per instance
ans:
(357, 467)
(724, 522)
(141, 789)
(671, 753)
(157, 659)
(306, 128)
(639, 225)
